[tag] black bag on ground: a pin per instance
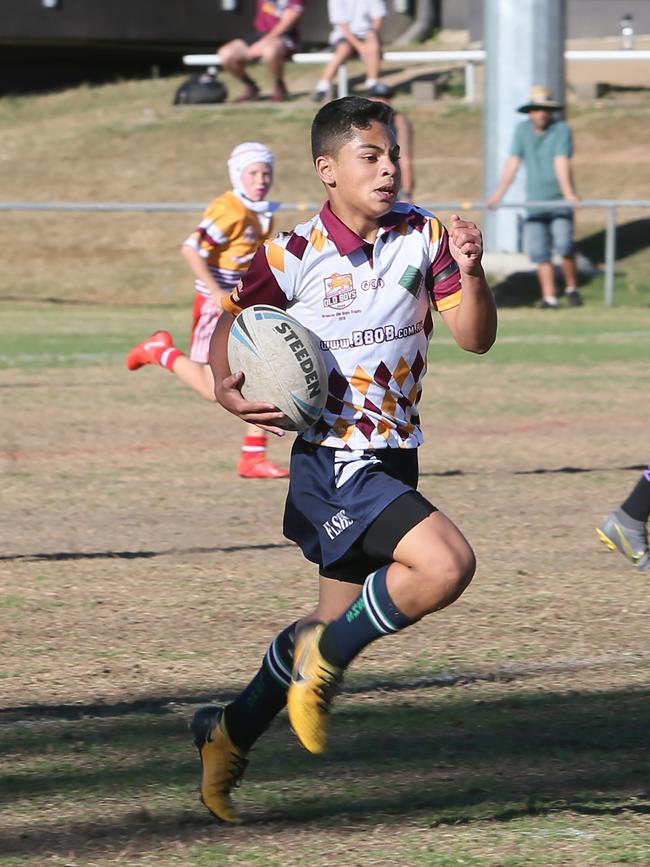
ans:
(200, 90)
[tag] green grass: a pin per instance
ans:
(38, 335)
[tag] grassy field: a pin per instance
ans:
(128, 143)
(510, 730)
(140, 577)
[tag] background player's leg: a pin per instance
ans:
(626, 528)
(196, 376)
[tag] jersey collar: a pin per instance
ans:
(346, 241)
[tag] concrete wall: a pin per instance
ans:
(95, 40)
(161, 22)
(585, 18)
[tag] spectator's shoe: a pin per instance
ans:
(250, 94)
(574, 299)
(257, 466)
(382, 91)
(314, 683)
(547, 305)
(320, 95)
(150, 350)
(280, 92)
(632, 543)
(222, 763)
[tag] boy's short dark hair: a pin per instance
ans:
(335, 123)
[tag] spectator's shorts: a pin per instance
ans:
(290, 45)
(548, 232)
(336, 38)
(348, 510)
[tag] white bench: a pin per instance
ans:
(469, 58)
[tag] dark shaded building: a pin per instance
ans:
(54, 43)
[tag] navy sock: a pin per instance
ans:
(369, 617)
(255, 708)
(637, 505)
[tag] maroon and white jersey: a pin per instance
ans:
(369, 305)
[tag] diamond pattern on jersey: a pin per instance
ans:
(373, 397)
(317, 239)
(360, 380)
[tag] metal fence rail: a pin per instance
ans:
(610, 206)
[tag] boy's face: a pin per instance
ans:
(364, 174)
(256, 181)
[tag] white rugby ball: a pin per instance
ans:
(281, 362)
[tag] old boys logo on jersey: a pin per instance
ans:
(339, 291)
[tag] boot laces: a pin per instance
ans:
(236, 766)
(328, 684)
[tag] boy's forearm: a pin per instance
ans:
(201, 271)
(218, 352)
(476, 318)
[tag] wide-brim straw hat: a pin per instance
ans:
(540, 97)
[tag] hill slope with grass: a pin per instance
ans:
(126, 142)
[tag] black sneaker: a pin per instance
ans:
(380, 90)
(574, 299)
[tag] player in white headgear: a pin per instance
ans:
(218, 252)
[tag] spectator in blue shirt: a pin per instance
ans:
(544, 144)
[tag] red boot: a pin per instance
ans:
(254, 465)
(150, 350)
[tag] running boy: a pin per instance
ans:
(218, 252)
(362, 275)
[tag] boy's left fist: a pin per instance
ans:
(466, 244)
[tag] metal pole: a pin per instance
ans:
(524, 44)
(342, 80)
(610, 255)
(470, 82)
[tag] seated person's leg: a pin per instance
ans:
(372, 57)
(235, 56)
(274, 53)
(342, 53)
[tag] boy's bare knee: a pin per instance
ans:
(448, 573)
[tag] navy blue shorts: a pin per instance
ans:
(336, 496)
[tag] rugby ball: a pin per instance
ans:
(281, 362)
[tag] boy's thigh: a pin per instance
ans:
(435, 540)
(537, 240)
(562, 232)
(377, 546)
(334, 499)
